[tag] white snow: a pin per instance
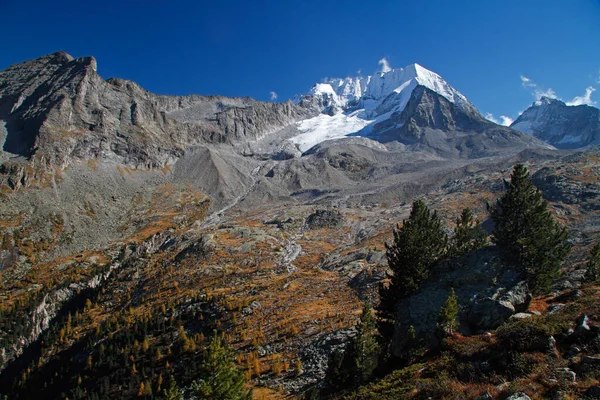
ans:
(323, 127)
(377, 96)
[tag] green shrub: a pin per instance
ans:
(524, 335)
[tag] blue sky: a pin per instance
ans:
(252, 48)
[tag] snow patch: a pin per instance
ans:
(324, 127)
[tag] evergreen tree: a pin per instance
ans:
(413, 347)
(220, 378)
(593, 266)
(468, 234)
(364, 347)
(173, 392)
(526, 229)
(416, 247)
(337, 375)
(448, 319)
(356, 365)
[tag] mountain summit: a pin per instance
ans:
(563, 126)
(370, 91)
(412, 105)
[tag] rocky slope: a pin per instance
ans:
(164, 211)
(563, 126)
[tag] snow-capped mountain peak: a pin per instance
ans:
(366, 100)
(345, 91)
(559, 124)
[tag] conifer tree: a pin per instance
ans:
(417, 245)
(448, 319)
(356, 365)
(337, 374)
(526, 229)
(365, 350)
(593, 266)
(173, 392)
(468, 234)
(220, 378)
(412, 347)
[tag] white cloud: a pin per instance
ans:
(273, 96)
(526, 82)
(504, 120)
(585, 99)
(490, 117)
(385, 65)
(550, 93)
(535, 90)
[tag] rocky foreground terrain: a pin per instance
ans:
(132, 225)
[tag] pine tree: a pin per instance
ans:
(357, 363)
(593, 266)
(173, 392)
(448, 319)
(526, 229)
(220, 378)
(416, 247)
(365, 350)
(337, 375)
(412, 347)
(468, 234)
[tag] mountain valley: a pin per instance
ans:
(132, 224)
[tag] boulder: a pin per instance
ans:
(521, 315)
(485, 396)
(554, 308)
(489, 314)
(518, 396)
(565, 375)
(325, 219)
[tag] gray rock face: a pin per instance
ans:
(431, 122)
(56, 109)
(491, 311)
(488, 294)
(563, 126)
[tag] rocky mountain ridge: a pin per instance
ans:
(57, 109)
(561, 125)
